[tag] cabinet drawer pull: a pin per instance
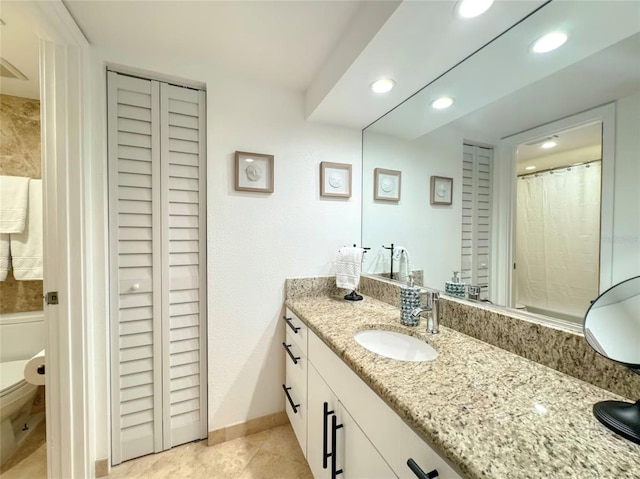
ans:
(288, 321)
(325, 435)
(420, 474)
(334, 444)
(287, 347)
(293, 406)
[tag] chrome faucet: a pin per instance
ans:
(433, 307)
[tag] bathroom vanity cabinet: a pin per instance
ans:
(341, 424)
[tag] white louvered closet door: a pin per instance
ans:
(157, 266)
(476, 216)
(182, 114)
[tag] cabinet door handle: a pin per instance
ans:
(420, 474)
(288, 321)
(325, 435)
(334, 444)
(293, 406)
(287, 347)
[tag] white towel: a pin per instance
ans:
(401, 254)
(14, 191)
(5, 259)
(348, 267)
(26, 248)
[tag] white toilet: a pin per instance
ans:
(16, 396)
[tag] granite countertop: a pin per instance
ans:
(491, 413)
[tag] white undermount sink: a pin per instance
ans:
(394, 345)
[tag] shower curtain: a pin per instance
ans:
(558, 240)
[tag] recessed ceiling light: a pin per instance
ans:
(549, 42)
(529, 168)
(549, 144)
(473, 8)
(442, 103)
(383, 85)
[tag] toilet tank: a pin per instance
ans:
(21, 335)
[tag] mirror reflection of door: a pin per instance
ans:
(558, 223)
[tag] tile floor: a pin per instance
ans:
(271, 454)
(30, 461)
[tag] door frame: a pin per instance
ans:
(65, 136)
(504, 203)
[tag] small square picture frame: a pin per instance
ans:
(387, 184)
(441, 190)
(335, 180)
(254, 172)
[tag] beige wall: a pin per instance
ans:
(20, 156)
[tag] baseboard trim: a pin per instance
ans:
(102, 468)
(252, 426)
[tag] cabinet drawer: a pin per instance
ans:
(295, 360)
(298, 419)
(297, 328)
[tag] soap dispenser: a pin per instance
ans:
(455, 287)
(409, 301)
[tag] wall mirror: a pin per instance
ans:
(543, 152)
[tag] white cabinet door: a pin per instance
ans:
(356, 456)
(320, 401)
(411, 446)
(336, 446)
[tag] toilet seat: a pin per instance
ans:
(12, 376)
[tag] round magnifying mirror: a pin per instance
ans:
(612, 327)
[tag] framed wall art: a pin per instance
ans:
(387, 184)
(335, 179)
(441, 190)
(254, 172)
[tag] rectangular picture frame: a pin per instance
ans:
(441, 190)
(254, 172)
(387, 185)
(335, 180)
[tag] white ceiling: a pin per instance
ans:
(278, 42)
(602, 78)
(420, 41)
(499, 71)
(574, 139)
(20, 46)
(331, 50)
(578, 145)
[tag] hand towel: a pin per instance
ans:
(401, 254)
(26, 247)
(14, 192)
(5, 260)
(348, 267)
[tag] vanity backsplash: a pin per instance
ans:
(559, 349)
